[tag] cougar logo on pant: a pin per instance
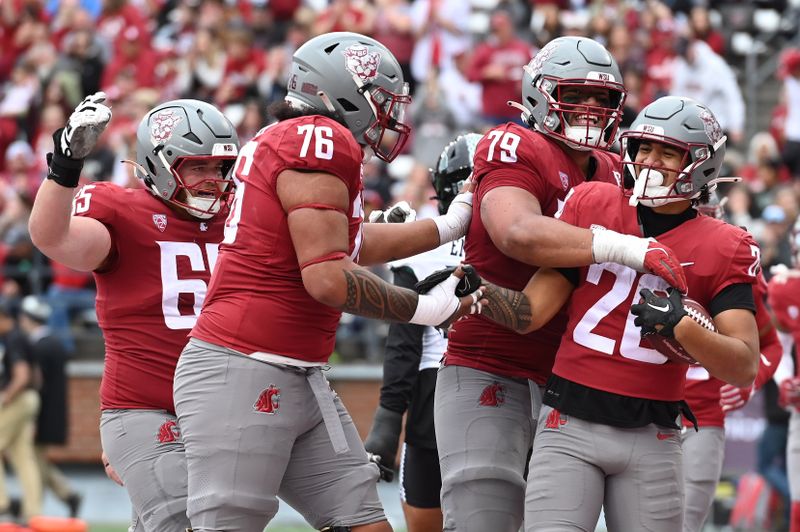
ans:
(493, 395)
(554, 420)
(169, 432)
(268, 400)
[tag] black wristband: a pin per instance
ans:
(63, 170)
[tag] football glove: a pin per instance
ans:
(85, 125)
(383, 439)
(655, 310)
(400, 212)
(733, 398)
(471, 281)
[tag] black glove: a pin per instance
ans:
(655, 310)
(60, 168)
(467, 285)
(383, 439)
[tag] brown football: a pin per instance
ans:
(669, 347)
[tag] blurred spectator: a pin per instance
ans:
(704, 76)
(133, 57)
(393, 29)
(774, 240)
(441, 28)
(771, 450)
(700, 26)
(546, 20)
(497, 66)
(345, 15)
(69, 293)
(202, 67)
(764, 168)
(16, 249)
(17, 96)
(19, 406)
(51, 425)
(790, 69)
(22, 173)
(659, 34)
(244, 67)
(463, 97)
(81, 59)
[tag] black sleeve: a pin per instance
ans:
(571, 274)
(403, 354)
(739, 295)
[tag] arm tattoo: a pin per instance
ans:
(370, 296)
(508, 308)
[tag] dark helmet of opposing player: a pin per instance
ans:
(549, 82)
(683, 124)
(453, 168)
(178, 135)
(358, 79)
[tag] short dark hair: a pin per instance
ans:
(284, 111)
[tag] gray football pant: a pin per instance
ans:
(793, 454)
(703, 454)
(483, 448)
(241, 458)
(578, 467)
(153, 473)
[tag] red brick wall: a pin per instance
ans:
(360, 397)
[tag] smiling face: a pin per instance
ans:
(669, 160)
(585, 99)
(205, 184)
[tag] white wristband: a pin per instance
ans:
(438, 305)
(455, 222)
(610, 246)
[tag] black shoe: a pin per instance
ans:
(74, 504)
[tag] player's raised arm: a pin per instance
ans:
(78, 242)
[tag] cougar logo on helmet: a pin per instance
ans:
(543, 56)
(361, 62)
(163, 125)
(712, 127)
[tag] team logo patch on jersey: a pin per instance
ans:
(712, 127)
(268, 400)
(163, 125)
(493, 395)
(554, 420)
(361, 62)
(564, 179)
(160, 220)
(169, 432)
(203, 227)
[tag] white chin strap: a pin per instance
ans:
(649, 183)
(586, 138)
(203, 208)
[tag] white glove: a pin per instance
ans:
(86, 123)
(455, 222)
(400, 212)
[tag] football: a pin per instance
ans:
(669, 347)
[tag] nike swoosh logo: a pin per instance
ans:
(660, 309)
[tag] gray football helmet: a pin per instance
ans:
(358, 79)
(453, 168)
(172, 138)
(683, 124)
(572, 63)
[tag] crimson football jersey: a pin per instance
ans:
(702, 390)
(256, 300)
(602, 348)
(513, 156)
(784, 298)
(149, 291)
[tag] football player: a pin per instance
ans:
(488, 392)
(413, 354)
(710, 400)
(258, 417)
(784, 299)
(152, 251)
(609, 432)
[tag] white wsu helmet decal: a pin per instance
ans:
(361, 62)
(163, 125)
